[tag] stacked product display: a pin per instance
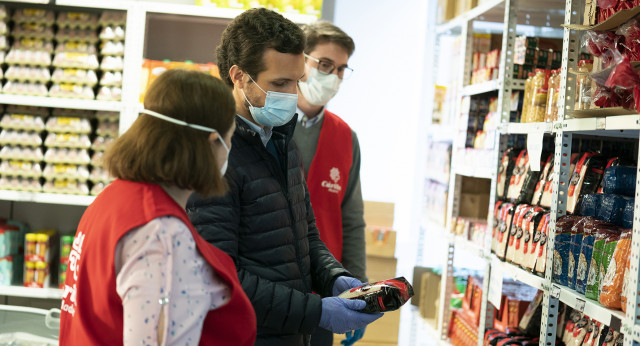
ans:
(106, 131)
(63, 56)
(151, 69)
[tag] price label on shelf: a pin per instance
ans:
(555, 292)
(580, 304)
(495, 285)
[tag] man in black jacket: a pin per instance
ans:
(265, 222)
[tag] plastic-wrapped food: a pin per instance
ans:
(579, 331)
(77, 20)
(497, 221)
(32, 15)
(594, 336)
(523, 180)
(32, 30)
(515, 231)
(585, 179)
(539, 90)
(631, 33)
(627, 213)
(111, 79)
(21, 153)
(31, 74)
(507, 164)
(112, 63)
(20, 184)
(525, 241)
(543, 232)
(591, 204)
(66, 187)
(574, 318)
(66, 172)
(504, 231)
(562, 248)
(67, 156)
(76, 60)
(526, 101)
(382, 296)
(76, 34)
(68, 125)
(22, 122)
(586, 252)
(23, 169)
(612, 209)
(613, 265)
(544, 176)
(28, 57)
(101, 143)
(76, 47)
(36, 44)
(109, 94)
(72, 91)
(575, 245)
(619, 180)
(24, 88)
(75, 76)
(604, 233)
(532, 250)
(112, 33)
(113, 18)
(23, 138)
(626, 283)
(114, 48)
(66, 140)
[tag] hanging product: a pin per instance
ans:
(507, 165)
(562, 248)
(614, 261)
(544, 176)
(585, 179)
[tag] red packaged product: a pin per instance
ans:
(544, 176)
(624, 5)
(382, 296)
(574, 318)
(543, 231)
(522, 246)
(505, 229)
(516, 229)
(529, 260)
(496, 223)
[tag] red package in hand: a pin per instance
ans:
(382, 296)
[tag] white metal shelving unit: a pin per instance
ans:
(137, 14)
(598, 124)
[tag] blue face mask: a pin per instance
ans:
(279, 108)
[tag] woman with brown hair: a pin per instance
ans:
(138, 272)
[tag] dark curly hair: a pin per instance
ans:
(251, 33)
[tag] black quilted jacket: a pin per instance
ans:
(266, 224)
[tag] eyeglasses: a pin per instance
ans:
(327, 67)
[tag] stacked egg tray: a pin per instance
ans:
(55, 151)
(65, 54)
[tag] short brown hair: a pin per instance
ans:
(246, 38)
(157, 151)
(325, 32)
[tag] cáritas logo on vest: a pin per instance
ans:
(334, 187)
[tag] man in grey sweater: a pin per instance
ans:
(331, 155)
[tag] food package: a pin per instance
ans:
(547, 194)
(28, 57)
(591, 204)
(112, 63)
(31, 15)
(586, 252)
(619, 180)
(96, 159)
(16, 153)
(109, 94)
(76, 34)
(76, 60)
(66, 172)
(604, 233)
(101, 143)
(497, 210)
(609, 339)
(74, 76)
(543, 233)
(100, 175)
(504, 232)
(112, 33)
(23, 169)
(627, 214)
(113, 18)
(516, 233)
(112, 48)
(522, 246)
(574, 317)
(612, 284)
(23, 138)
(530, 321)
(577, 234)
(544, 176)
(535, 227)
(594, 336)
(612, 209)
(108, 117)
(76, 47)
(585, 179)
(68, 125)
(77, 20)
(66, 140)
(24, 88)
(71, 187)
(523, 180)
(67, 156)
(97, 188)
(579, 331)
(28, 74)
(505, 171)
(626, 283)
(22, 122)
(20, 184)
(562, 248)
(382, 296)
(107, 129)
(111, 79)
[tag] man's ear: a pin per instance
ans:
(236, 75)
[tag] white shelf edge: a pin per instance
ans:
(518, 273)
(469, 15)
(468, 246)
(636, 333)
(526, 128)
(30, 292)
(626, 126)
(49, 198)
(480, 88)
(473, 172)
(55, 102)
(591, 308)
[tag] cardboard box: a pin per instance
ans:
(380, 241)
(381, 268)
(378, 214)
(418, 273)
(474, 205)
(429, 297)
(446, 10)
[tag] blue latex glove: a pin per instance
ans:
(344, 283)
(353, 336)
(341, 315)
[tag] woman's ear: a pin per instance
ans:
(213, 137)
(236, 74)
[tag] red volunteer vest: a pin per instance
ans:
(328, 177)
(92, 312)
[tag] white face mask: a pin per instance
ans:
(319, 88)
(223, 169)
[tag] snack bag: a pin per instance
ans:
(613, 281)
(516, 233)
(544, 176)
(612, 209)
(382, 296)
(625, 285)
(505, 170)
(579, 331)
(522, 244)
(585, 179)
(505, 230)
(562, 248)
(594, 336)
(591, 204)
(574, 317)
(530, 256)
(577, 232)
(523, 180)
(619, 180)
(627, 213)
(586, 252)
(541, 261)
(496, 224)
(604, 233)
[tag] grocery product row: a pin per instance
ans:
(55, 151)
(62, 54)
(311, 7)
